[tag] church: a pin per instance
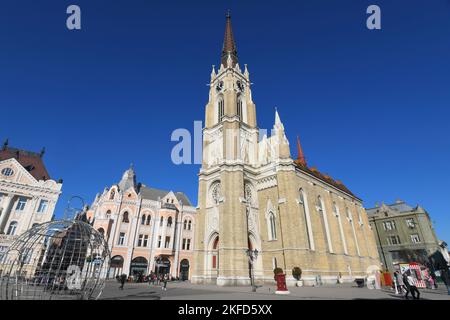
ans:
(259, 208)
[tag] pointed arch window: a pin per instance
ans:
(185, 224)
(190, 225)
(125, 217)
(112, 194)
(325, 227)
(239, 107)
(143, 219)
(272, 226)
(169, 222)
(161, 222)
(221, 109)
(149, 219)
(304, 205)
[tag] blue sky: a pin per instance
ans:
(372, 107)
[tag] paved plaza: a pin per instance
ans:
(187, 291)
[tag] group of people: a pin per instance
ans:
(405, 283)
(152, 278)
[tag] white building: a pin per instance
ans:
(28, 195)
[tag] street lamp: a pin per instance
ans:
(252, 256)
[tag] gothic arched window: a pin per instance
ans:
(189, 225)
(112, 194)
(143, 219)
(149, 219)
(307, 217)
(169, 222)
(272, 226)
(185, 224)
(221, 109)
(125, 217)
(239, 107)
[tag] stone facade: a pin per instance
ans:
(28, 195)
(253, 195)
(404, 234)
(146, 229)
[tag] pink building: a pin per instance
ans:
(147, 229)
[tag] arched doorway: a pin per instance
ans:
(184, 270)
(138, 266)
(162, 265)
(116, 267)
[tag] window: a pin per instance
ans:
(410, 223)
(145, 244)
(149, 219)
(188, 244)
(12, 228)
(272, 227)
(189, 225)
(184, 245)
(304, 205)
(7, 172)
(125, 217)
(139, 244)
(112, 194)
(161, 222)
(185, 224)
(394, 240)
(389, 225)
(121, 239)
(21, 204)
(169, 222)
(415, 238)
(42, 206)
(159, 241)
(221, 109)
(167, 242)
(143, 219)
(108, 213)
(239, 107)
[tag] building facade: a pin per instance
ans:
(28, 195)
(404, 234)
(147, 229)
(254, 195)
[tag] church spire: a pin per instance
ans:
(301, 157)
(229, 45)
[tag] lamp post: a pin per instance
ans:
(252, 256)
(251, 253)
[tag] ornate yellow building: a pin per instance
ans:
(253, 195)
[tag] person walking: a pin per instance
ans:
(400, 283)
(165, 279)
(412, 287)
(123, 279)
(406, 285)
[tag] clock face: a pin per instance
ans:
(219, 86)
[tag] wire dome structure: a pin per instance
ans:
(57, 260)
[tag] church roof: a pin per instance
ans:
(31, 161)
(302, 165)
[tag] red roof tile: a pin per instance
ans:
(31, 161)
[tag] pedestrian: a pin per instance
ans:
(400, 283)
(165, 279)
(123, 279)
(412, 287)
(396, 286)
(406, 285)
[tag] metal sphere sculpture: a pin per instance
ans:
(57, 260)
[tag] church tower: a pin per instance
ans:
(230, 143)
